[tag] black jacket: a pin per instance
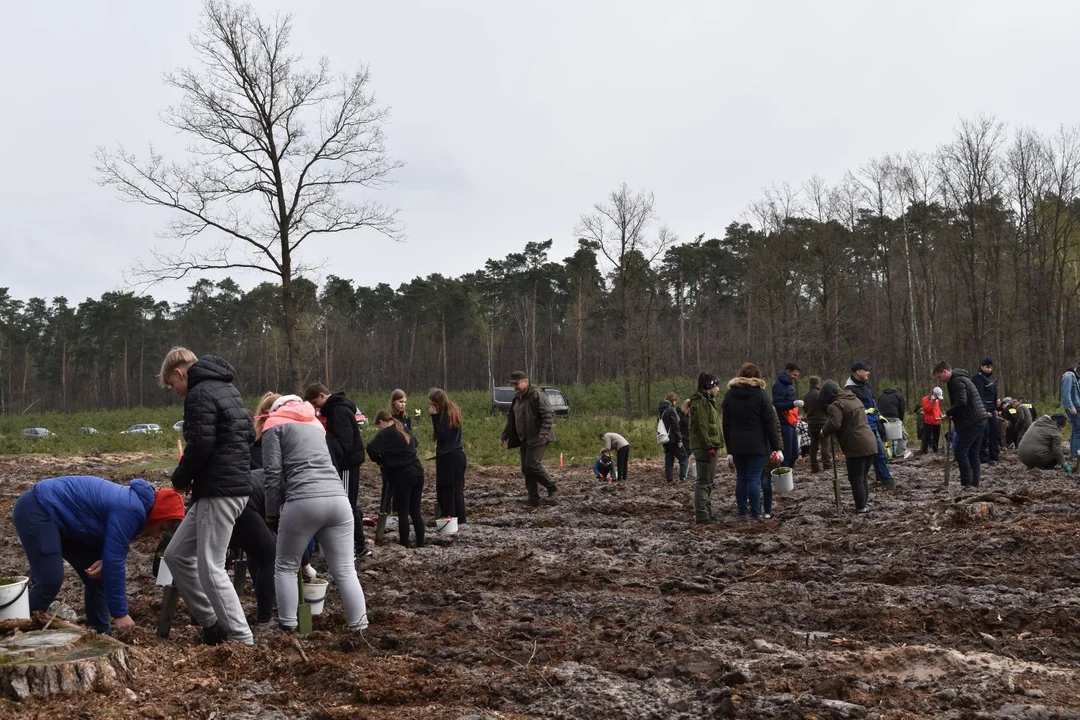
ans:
(405, 420)
(750, 426)
(396, 457)
(967, 407)
(670, 416)
(343, 432)
(257, 500)
(815, 411)
(684, 427)
(447, 439)
(988, 390)
(891, 404)
(217, 434)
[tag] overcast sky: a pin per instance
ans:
(514, 117)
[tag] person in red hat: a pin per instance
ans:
(90, 522)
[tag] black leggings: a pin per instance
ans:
(408, 490)
(450, 484)
(622, 459)
(350, 479)
(858, 468)
(251, 535)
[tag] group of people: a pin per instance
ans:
(269, 484)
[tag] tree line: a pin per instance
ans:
(969, 250)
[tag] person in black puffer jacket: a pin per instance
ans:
(969, 419)
(675, 447)
(216, 468)
(346, 448)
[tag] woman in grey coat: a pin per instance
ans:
(304, 493)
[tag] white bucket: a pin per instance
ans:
(894, 429)
(15, 599)
(446, 526)
(164, 575)
(315, 594)
(783, 479)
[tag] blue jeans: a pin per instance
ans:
(881, 463)
(968, 445)
(790, 435)
(766, 489)
(748, 469)
(46, 550)
(1074, 435)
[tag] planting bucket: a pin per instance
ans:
(894, 429)
(15, 599)
(783, 479)
(446, 526)
(315, 594)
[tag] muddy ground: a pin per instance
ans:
(941, 602)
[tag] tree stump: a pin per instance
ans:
(43, 663)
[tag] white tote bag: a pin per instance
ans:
(661, 432)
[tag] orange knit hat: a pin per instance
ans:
(168, 505)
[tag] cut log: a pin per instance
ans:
(43, 663)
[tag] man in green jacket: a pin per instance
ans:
(706, 438)
(1041, 445)
(529, 427)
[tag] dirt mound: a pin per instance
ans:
(941, 602)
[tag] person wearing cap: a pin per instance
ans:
(1041, 445)
(815, 421)
(90, 522)
(859, 383)
(706, 438)
(529, 427)
(986, 384)
(969, 419)
(1010, 421)
(931, 412)
(787, 404)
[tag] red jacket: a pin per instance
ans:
(931, 408)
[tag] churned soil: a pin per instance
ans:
(941, 602)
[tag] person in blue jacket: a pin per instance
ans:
(787, 404)
(90, 522)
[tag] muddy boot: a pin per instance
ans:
(533, 502)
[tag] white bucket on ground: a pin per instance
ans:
(315, 594)
(446, 526)
(15, 599)
(783, 479)
(894, 429)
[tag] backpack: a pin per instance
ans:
(662, 437)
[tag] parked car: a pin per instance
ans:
(87, 431)
(178, 426)
(361, 418)
(558, 402)
(502, 397)
(142, 429)
(38, 433)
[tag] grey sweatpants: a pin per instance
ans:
(196, 559)
(330, 521)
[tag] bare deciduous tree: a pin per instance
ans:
(618, 229)
(276, 154)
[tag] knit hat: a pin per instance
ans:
(285, 399)
(938, 392)
(168, 505)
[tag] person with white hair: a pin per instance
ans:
(931, 411)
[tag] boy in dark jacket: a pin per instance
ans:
(346, 448)
(216, 469)
(969, 419)
(985, 382)
(815, 421)
(90, 522)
